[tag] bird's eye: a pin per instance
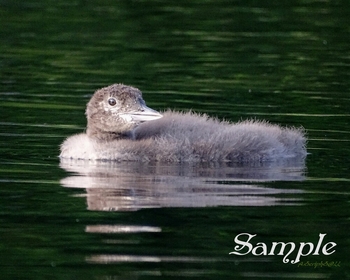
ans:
(112, 101)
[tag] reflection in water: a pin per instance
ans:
(133, 258)
(112, 186)
(130, 186)
(121, 229)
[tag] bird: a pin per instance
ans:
(120, 127)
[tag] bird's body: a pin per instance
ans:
(122, 133)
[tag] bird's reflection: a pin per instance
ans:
(130, 186)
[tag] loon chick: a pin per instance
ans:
(120, 127)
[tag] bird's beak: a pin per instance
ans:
(144, 114)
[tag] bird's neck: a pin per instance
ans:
(100, 135)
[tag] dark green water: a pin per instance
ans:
(287, 62)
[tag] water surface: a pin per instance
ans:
(287, 62)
